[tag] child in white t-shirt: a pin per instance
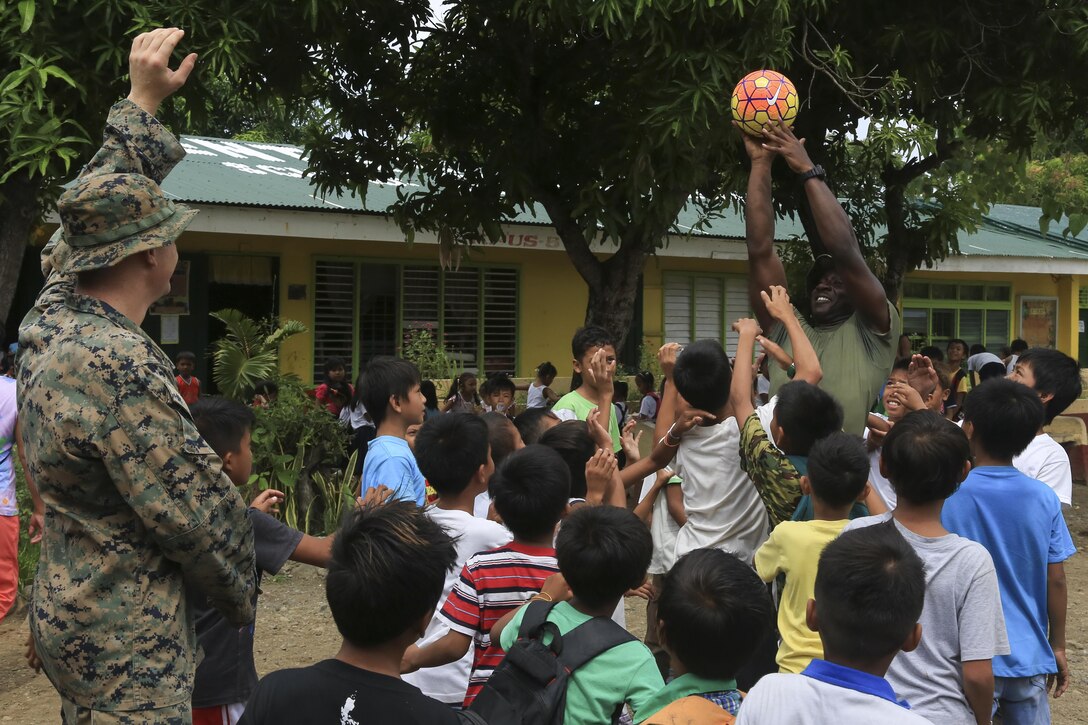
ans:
(540, 393)
(454, 454)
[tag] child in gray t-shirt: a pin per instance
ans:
(949, 677)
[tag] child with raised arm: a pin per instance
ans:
(594, 354)
(1019, 521)
(454, 454)
(870, 589)
(776, 437)
(949, 677)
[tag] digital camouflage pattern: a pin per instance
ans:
(135, 500)
(775, 477)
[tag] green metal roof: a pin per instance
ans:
(264, 175)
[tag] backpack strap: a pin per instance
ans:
(536, 614)
(590, 639)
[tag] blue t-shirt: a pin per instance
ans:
(390, 462)
(1019, 521)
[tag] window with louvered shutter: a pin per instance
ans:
(736, 306)
(678, 308)
(500, 320)
(334, 313)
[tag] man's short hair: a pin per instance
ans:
(923, 457)
(388, 570)
(716, 612)
(530, 424)
(450, 449)
(222, 422)
(870, 588)
(185, 355)
(571, 440)
(1056, 374)
(500, 432)
(1005, 415)
(806, 414)
(603, 551)
(384, 378)
(589, 337)
(838, 468)
(702, 375)
(530, 490)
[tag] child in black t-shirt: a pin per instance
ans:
(226, 676)
(386, 575)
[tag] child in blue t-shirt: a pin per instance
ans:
(1019, 521)
(390, 391)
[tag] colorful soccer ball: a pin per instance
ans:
(763, 96)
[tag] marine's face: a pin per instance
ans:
(829, 301)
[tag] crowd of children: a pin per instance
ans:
(916, 572)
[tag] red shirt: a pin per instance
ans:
(190, 391)
(493, 583)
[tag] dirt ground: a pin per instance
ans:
(294, 628)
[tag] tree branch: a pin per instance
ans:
(572, 236)
(911, 170)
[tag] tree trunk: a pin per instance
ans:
(18, 211)
(612, 300)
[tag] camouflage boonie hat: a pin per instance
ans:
(108, 217)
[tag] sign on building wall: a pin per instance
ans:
(1039, 321)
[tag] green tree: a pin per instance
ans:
(612, 116)
(63, 63)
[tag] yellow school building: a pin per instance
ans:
(265, 244)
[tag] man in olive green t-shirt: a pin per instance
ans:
(852, 324)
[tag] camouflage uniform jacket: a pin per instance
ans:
(135, 500)
(775, 476)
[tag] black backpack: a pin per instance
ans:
(529, 687)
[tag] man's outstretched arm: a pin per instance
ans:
(764, 267)
(836, 231)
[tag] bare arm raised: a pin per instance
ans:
(764, 267)
(835, 229)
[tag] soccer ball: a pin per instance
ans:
(763, 96)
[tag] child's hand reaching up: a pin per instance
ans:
(630, 440)
(747, 327)
(777, 301)
(599, 472)
(922, 376)
(781, 358)
(597, 430)
(374, 497)
(666, 357)
(600, 371)
(268, 501)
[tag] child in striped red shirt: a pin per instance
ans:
(530, 492)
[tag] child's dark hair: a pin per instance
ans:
(806, 414)
(384, 378)
(957, 341)
(870, 587)
(500, 432)
(977, 348)
(1005, 416)
(387, 571)
(603, 551)
(530, 424)
(185, 355)
(430, 395)
(620, 389)
(933, 352)
(546, 370)
(222, 422)
(501, 381)
(450, 449)
(838, 468)
(340, 387)
(901, 363)
(923, 457)
(530, 490)
(588, 337)
(991, 370)
(715, 612)
(1017, 346)
(459, 383)
(571, 440)
(334, 363)
(1055, 373)
(646, 378)
(702, 375)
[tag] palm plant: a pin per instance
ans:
(248, 352)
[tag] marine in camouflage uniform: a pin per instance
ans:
(135, 500)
